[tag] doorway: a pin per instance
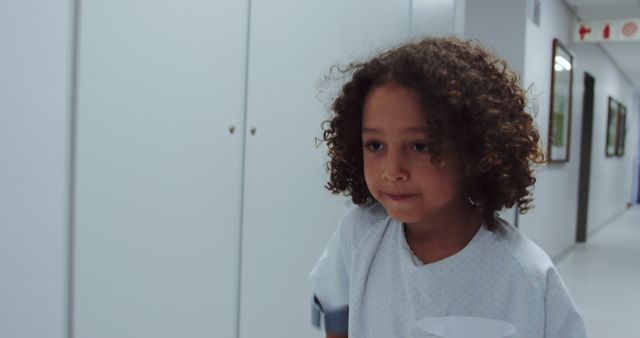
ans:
(585, 157)
(637, 159)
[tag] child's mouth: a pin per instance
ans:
(400, 197)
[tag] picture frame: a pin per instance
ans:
(621, 130)
(559, 140)
(612, 128)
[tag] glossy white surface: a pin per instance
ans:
(288, 215)
(158, 173)
(35, 95)
(434, 17)
(603, 277)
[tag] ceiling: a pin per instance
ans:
(625, 54)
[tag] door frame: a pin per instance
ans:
(585, 157)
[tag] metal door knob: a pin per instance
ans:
(253, 130)
(232, 129)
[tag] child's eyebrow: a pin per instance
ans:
(371, 131)
(421, 130)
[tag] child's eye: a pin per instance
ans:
(373, 146)
(420, 147)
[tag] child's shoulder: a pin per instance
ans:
(528, 255)
(365, 214)
(363, 221)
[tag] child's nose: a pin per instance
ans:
(394, 169)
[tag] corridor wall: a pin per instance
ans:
(527, 47)
(553, 221)
(611, 181)
(505, 40)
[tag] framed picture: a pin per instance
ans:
(560, 106)
(612, 128)
(622, 129)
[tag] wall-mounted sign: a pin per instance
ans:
(612, 30)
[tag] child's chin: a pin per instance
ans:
(404, 216)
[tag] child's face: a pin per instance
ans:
(397, 165)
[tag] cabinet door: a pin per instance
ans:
(375, 25)
(157, 206)
(288, 215)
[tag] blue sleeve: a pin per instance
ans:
(330, 283)
(336, 321)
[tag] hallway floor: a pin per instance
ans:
(603, 277)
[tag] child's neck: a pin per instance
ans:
(443, 234)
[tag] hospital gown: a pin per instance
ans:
(500, 284)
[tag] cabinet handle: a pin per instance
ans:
(253, 130)
(232, 129)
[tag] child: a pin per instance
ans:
(430, 140)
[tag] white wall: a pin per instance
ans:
(35, 92)
(499, 26)
(503, 27)
(611, 179)
(552, 223)
(433, 17)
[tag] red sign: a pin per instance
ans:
(629, 29)
(601, 31)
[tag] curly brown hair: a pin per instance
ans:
(475, 105)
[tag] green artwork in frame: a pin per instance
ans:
(613, 127)
(612, 116)
(558, 122)
(558, 129)
(622, 130)
(558, 144)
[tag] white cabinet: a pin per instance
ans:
(288, 216)
(158, 195)
(172, 237)
(375, 25)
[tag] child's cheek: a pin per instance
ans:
(370, 176)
